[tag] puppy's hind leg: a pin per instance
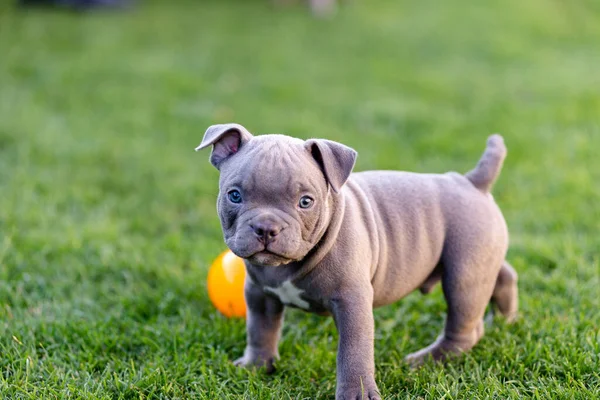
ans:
(505, 296)
(467, 289)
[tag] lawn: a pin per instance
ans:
(107, 215)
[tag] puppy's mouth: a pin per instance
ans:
(268, 258)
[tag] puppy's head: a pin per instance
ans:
(275, 197)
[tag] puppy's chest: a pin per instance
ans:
(293, 295)
(298, 294)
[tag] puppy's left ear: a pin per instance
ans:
(335, 159)
(226, 140)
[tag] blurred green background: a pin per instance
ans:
(108, 220)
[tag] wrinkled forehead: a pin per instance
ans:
(275, 163)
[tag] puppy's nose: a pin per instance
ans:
(265, 231)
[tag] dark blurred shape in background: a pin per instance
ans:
(78, 5)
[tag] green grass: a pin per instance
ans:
(107, 216)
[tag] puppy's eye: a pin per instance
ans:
(235, 196)
(305, 202)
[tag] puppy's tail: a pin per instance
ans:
(488, 168)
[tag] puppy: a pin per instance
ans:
(318, 237)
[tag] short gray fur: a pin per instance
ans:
(367, 240)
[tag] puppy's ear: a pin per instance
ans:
(335, 159)
(226, 140)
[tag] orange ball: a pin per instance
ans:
(225, 284)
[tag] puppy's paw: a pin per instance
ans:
(256, 361)
(359, 395)
(365, 390)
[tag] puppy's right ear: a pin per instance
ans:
(226, 140)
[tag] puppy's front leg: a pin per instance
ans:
(264, 317)
(353, 314)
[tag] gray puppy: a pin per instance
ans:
(318, 237)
